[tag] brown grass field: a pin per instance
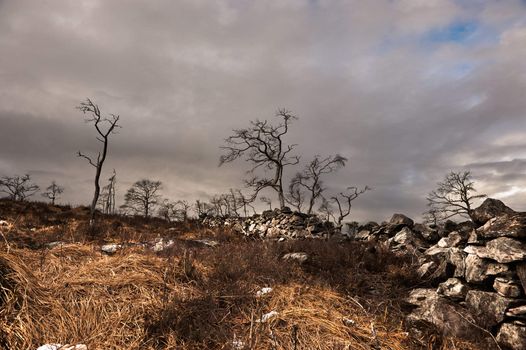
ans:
(346, 296)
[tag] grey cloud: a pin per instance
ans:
(183, 74)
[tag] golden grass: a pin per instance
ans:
(137, 300)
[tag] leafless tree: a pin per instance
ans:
(267, 201)
(103, 133)
(143, 196)
(53, 191)
(262, 144)
(243, 201)
(18, 187)
(182, 209)
(310, 178)
(295, 195)
(203, 209)
(344, 202)
(107, 195)
(326, 209)
(453, 196)
(167, 210)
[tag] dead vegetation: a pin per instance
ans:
(346, 296)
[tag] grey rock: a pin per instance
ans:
(488, 309)
(451, 240)
(300, 257)
(110, 248)
(478, 270)
(426, 269)
(401, 219)
(507, 287)
(457, 258)
(504, 226)
(449, 318)
(512, 336)
(363, 235)
(453, 288)
(489, 209)
(519, 311)
(503, 250)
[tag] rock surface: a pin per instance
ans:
(512, 336)
(489, 209)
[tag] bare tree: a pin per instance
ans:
(295, 196)
(267, 201)
(95, 117)
(168, 210)
(182, 209)
(142, 197)
(453, 196)
(310, 178)
(203, 209)
(326, 209)
(107, 195)
(18, 187)
(53, 191)
(262, 145)
(344, 202)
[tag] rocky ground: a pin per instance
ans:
(280, 280)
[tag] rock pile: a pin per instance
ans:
(483, 280)
(277, 223)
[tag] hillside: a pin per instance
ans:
(186, 286)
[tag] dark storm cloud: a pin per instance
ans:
(408, 90)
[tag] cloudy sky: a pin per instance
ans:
(407, 90)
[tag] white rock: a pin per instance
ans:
(299, 257)
(110, 248)
(268, 316)
(263, 291)
(207, 242)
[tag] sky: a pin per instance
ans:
(407, 90)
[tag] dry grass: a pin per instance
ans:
(347, 296)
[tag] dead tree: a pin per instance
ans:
(453, 196)
(295, 196)
(344, 202)
(267, 201)
(143, 197)
(262, 144)
(326, 209)
(95, 117)
(53, 191)
(182, 209)
(108, 195)
(18, 187)
(310, 178)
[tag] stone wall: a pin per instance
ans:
(276, 224)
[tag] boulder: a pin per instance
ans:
(507, 287)
(363, 235)
(447, 317)
(428, 233)
(300, 257)
(512, 336)
(457, 258)
(478, 269)
(504, 226)
(110, 248)
(401, 219)
(451, 240)
(453, 288)
(488, 309)
(519, 311)
(521, 273)
(503, 250)
(489, 209)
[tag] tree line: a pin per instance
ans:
(264, 146)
